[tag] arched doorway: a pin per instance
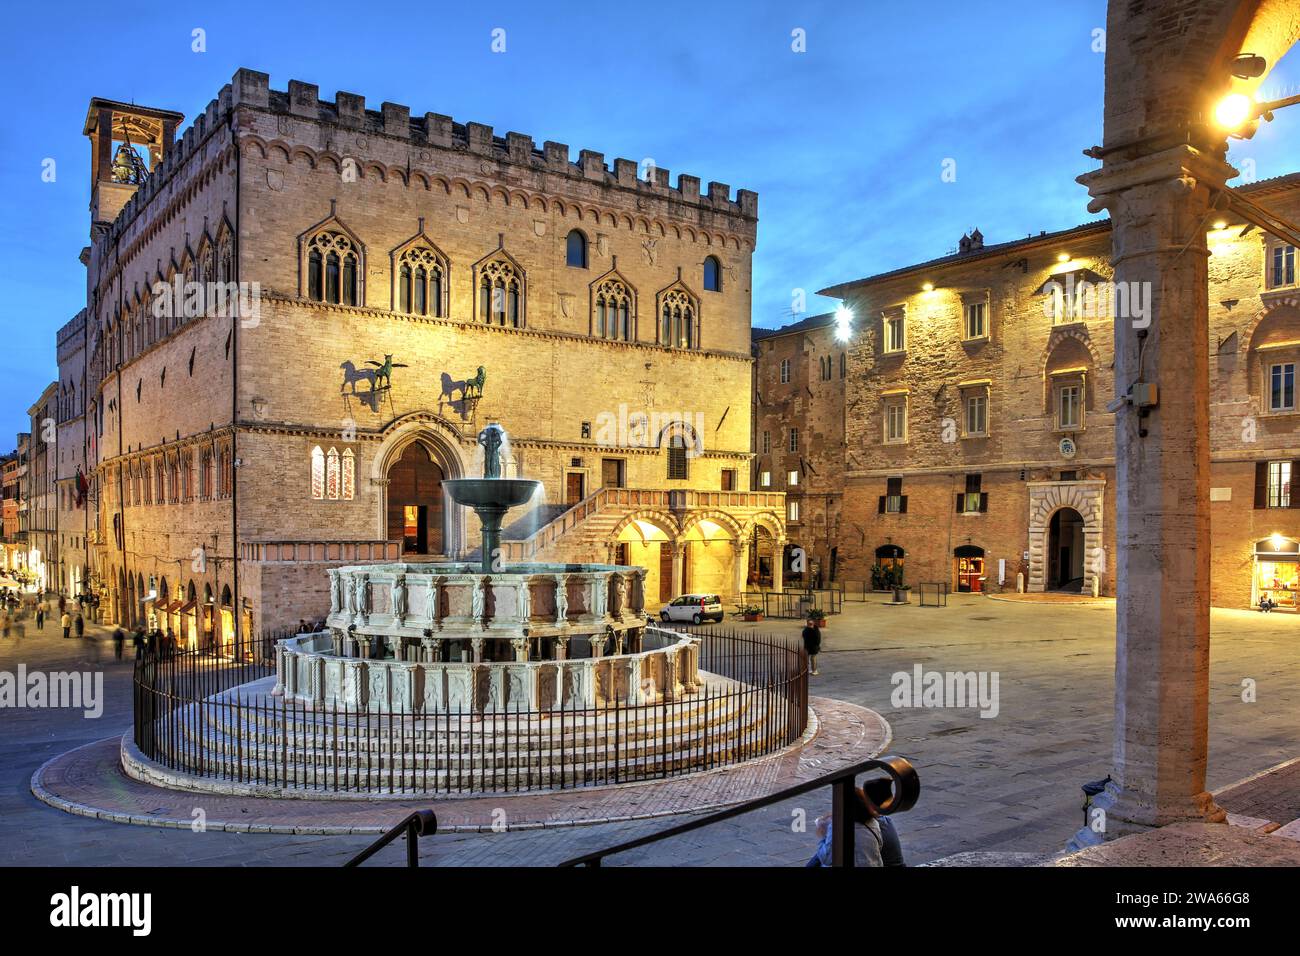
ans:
(1065, 551)
(968, 564)
(415, 506)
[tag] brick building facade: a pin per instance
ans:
(800, 374)
(238, 453)
(978, 404)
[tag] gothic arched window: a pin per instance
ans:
(317, 473)
(677, 312)
(422, 282)
(501, 293)
(332, 264)
(613, 310)
(348, 490)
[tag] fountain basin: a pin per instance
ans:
(504, 493)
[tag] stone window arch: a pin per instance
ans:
(332, 264)
(575, 249)
(613, 308)
(678, 318)
(712, 274)
(501, 290)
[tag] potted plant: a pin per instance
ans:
(751, 612)
(900, 592)
(817, 616)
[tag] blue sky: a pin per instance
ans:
(844, 143)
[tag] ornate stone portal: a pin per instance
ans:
(1046, 498)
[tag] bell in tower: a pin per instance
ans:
(127, 143)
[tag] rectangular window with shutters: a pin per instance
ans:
(791, 479)
(973, 500)
(794, 439)
(767, 443)
(1279, 484)
(677, 459)
(765, 479)
(893, 501)
(793, 504)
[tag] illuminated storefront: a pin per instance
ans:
(1276, 571)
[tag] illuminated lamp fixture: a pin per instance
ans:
(927, 287)
(843, 323)
(1234, 114)
(1277, 541)
(1248, 66)
(1062, 257)
(1220, 224)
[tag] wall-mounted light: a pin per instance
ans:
(843, 323)
(1221, 224)
(1234, 111)
(1277, 541)
(927, 287)
(1062, 257)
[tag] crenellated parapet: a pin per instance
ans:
(513, 151)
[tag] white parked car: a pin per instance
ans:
(696, 608)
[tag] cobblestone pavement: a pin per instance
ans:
(1006, 783)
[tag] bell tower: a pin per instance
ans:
(127, 143)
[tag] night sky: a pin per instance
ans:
(845, 143)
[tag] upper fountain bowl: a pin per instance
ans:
(491, 492)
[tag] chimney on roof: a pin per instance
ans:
(976, 239)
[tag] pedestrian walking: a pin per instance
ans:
(66, 622)
(40, 616)
(137, 641)
(79, 625)
(119, 639)
(812, 643)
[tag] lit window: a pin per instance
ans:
(896, 421)
(893, 501)
(349, 475)
(895, 333)
(977, 410)
(1281, 387)
(1069, 408)
(317, 473)
(976, 320)
(765, 479)
(332, 474)
(792, 479)
(1279, 484)
(794, 509)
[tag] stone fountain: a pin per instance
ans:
(487, 635)
(492, 495)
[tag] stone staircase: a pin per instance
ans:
(246, 735)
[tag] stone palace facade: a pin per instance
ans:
(301, 312)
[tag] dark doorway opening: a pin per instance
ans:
(1065, 551)
(415, 502)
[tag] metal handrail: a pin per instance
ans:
(906, 791)
(418, 824)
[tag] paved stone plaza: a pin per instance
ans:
(1010, 783)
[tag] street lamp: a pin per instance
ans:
(1238, 114)
(843, 323)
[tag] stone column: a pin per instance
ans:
(679, 562)
(740, 569)
(561, 648)
(476, 644)
(1160, 204)
(429, 649)
(778, 565)
(520, 644)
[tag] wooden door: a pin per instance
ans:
(665, 571)
(573, 487)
